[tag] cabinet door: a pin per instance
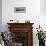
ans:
(22, 37)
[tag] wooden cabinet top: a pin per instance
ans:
(20, 23)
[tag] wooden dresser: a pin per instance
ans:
(22, 33)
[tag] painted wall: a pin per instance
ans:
(0, 15)
(43, 14)
(43, 6)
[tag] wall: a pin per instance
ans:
(43, 6)
(0, 15)
(43, 13)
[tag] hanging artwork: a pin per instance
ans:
(20, 9)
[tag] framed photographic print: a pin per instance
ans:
(20, 9)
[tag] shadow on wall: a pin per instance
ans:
(0, 15)
(43, 6)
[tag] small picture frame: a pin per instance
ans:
(20, 9)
